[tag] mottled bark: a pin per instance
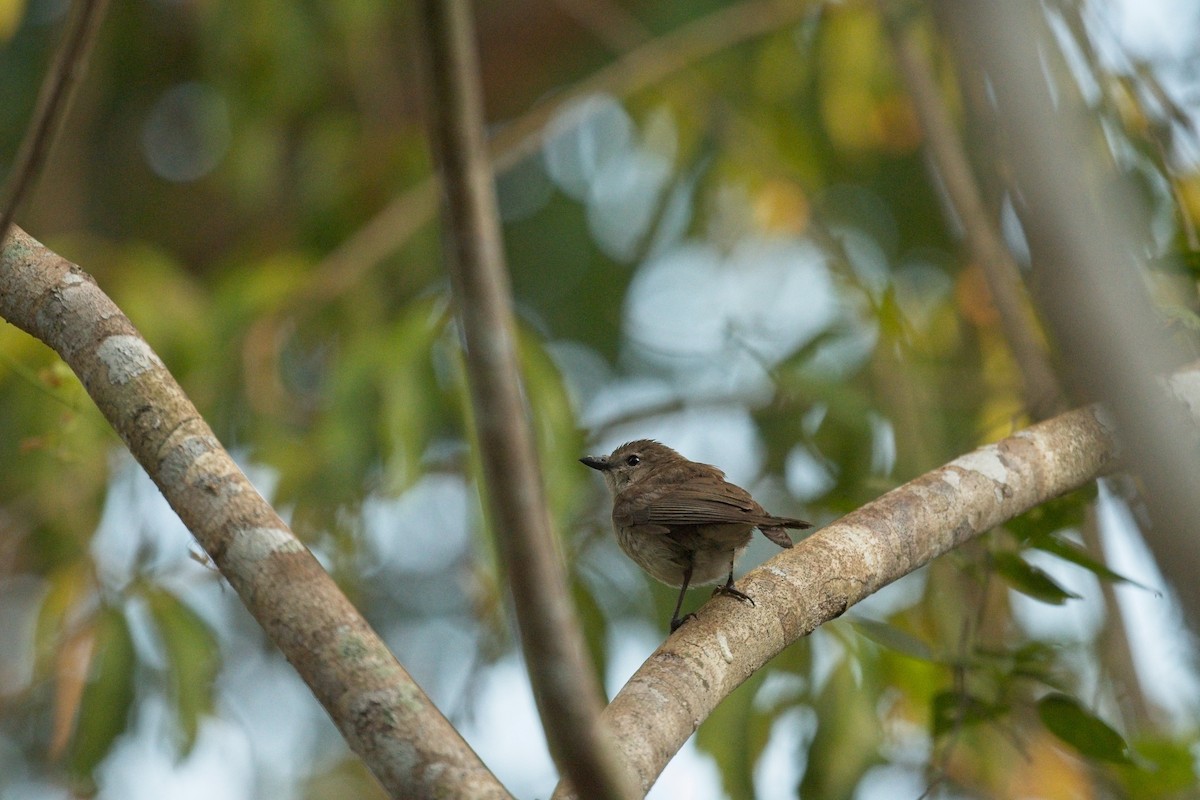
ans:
(382, 713)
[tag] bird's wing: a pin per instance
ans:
(720, 503)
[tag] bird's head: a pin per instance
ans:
(630, 462)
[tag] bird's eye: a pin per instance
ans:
(633, 461)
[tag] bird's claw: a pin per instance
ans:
(727, 589)
(675, 623)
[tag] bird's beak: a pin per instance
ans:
(595, 462)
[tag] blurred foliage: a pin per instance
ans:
(343, 380)
(106, 697)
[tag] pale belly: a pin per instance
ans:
(711, 550)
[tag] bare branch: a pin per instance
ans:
(382, 713)
(70, 63)
(567, 693)
(1116, 652)
(821, 577)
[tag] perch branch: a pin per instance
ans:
(821, 577)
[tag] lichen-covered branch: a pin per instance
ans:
(382, 713)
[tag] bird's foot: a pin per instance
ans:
(728, 589)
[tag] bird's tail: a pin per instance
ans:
(774, 530)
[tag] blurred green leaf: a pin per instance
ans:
(260, 287)
(892, 322)
(954, 710)
(1032, 660)
(192, 660)
(892, 638)
(1053, 515)
(1068, 720)
(1028, 579)
(796, 660)
(348, 778)
(107, 698)
(69, 587)
(412, 406)
(1076, 554)
(558, 438)
(847, 740)
(595, 627)
(1164, 768)
(734, 736)
(11, 12)
(181, 331)
(1178, 261)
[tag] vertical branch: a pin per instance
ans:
(1089, 263)
(568, 696)
(945, 152)
(1043, 394)
(70, 62)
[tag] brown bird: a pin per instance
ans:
(681, 521)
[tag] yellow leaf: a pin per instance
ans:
(11, 12)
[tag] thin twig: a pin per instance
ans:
(1114, 645)
(567, 692)
(608, 21)
(638, 69)
(70, 63)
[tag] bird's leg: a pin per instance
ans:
(675, 619)
(729, 590)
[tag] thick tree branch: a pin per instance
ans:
(816, 581)
(382, 713)
(54, 98)
(567, 693)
